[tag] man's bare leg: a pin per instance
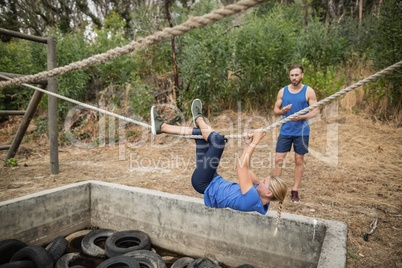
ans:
(299, 169)
(279, 159)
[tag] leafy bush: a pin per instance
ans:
(16, 57)
(322, 45)
(206, 58)
(141, 97)
(387, 51)
(323, 82)
(70, 48)
(264, 48)
(111, 36)
(257, 55)
(359, 37)
(11, 162)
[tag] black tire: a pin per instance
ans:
(245, 266)
(19, 264)
(119, 261)
(78, 260)
(74, 240)
(147, 259)
(57, 248)
(202, 263)
(37, 254)
(120, 243)
(65, 260)
(88, 243)
(182, 262)
(8, 248)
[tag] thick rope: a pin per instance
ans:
(85, 105)
(167, 33)
(277, 124)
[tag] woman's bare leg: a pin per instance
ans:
(205, 129)
(176, 129)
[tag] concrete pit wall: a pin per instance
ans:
(178, 223)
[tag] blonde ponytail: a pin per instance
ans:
(279, 190)
(278, 218)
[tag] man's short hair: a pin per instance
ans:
(296, 66)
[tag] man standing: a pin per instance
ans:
(291, 99)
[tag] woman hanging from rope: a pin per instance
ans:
(250, 194)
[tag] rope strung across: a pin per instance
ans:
(84, 105)
(167, 33)
(277, 124)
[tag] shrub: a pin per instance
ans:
(387, 51)
(11, 162)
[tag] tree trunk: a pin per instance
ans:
(379, 8)
(176, 74)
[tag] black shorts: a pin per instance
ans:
(300, 144)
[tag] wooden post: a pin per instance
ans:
(23, 36)
(33, 104)
(5, 147)
(52, 108)
(11, 112)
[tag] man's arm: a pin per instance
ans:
(312, 99)
(278, 109)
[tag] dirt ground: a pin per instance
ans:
(352, 173)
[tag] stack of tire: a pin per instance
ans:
(17, 254)
(131, 249)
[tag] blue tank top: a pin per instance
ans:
(225, 194)
(299, 102)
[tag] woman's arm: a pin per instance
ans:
(246, 178)
(253, 177)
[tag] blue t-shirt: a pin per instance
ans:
(299, 102)
(225, 194)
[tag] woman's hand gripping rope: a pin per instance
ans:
(252, 139)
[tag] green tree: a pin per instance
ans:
(264, 48)
(71, 48)
(206, 59)
(322, 45)
(387, 51)
(16, 57)
(8, 18)
(118, 70)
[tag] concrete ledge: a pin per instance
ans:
(39, 218)
(178, 223)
